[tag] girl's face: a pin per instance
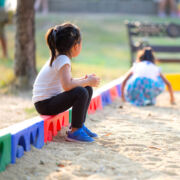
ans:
(76, 49)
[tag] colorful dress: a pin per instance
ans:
(144, 85)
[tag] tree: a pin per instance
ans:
(25, 63)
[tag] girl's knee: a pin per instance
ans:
(82, 92)
(90, 90)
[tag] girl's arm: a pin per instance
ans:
(127, 76)
(69, 83)
(172, 99)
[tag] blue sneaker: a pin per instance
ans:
(78, 136)
(91, 134)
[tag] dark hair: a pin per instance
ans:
(146, 54)
(62, 38)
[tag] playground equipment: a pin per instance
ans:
(174, 79)
(5, 149)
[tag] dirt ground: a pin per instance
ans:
(134, 144)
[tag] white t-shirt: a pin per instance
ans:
(145, 69)
(47, 83)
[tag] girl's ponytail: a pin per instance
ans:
(147, 55)
(51, 38)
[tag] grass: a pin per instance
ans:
(105, 45)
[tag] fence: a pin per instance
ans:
(104, 6)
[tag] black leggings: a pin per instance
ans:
(78, 98)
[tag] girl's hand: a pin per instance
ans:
(172, 101)
(93, 80)
(86, 76)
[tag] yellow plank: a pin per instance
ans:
(174, 79)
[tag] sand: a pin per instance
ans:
(133, 144)
(15, 108)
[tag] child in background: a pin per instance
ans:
(55, 91)
(144, 81)
(41, 3)
(3, 22)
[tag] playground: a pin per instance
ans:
(135, 143)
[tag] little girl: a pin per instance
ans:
(55, 91)
(144, 81)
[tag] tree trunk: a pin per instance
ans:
(25, 63)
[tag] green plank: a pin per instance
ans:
(5, 151)
(70, 115)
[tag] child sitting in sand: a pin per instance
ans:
(144, 81)
(55, 90)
